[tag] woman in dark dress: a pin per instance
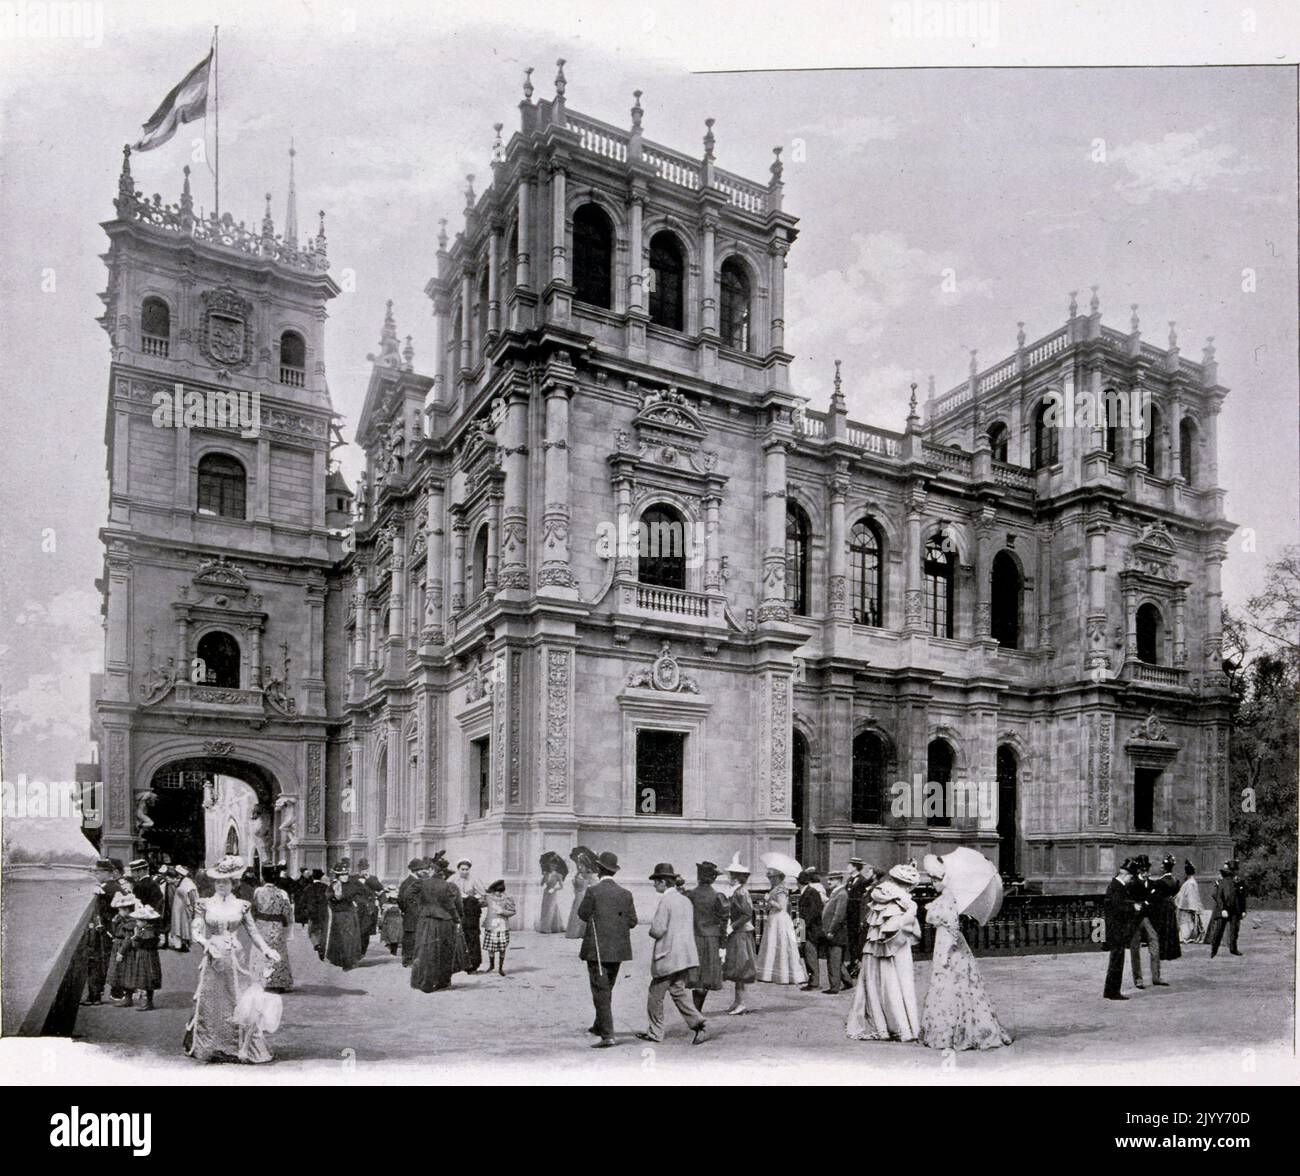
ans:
(342, 943)
(1162, 912)
(437, 935)
(741, 967)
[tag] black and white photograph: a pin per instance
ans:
(649, 545)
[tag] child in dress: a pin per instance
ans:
(496, 925)
(135, 967)
(390, 923)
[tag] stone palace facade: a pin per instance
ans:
(606, 580)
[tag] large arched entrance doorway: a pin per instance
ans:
(799, 791)
(201, 805)
(1008, 771)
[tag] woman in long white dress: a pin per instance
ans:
(779, 961)
(1188, 904)
(212, 1035)
(884, 998)
(958, 1013)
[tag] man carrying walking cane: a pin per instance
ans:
(610, 915)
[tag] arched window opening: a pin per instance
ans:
(1112, 412)
(663, 548)
(1004, 601)
(1151, 443)
(222, 485)
(482, 317)
(293, 359)
(1150, 634)
(938, 569)
(593, 256)
(999, 440)
(232, 841)
(667, 281)
(1047, 438)
(868, 779)
(796, 559)
(218, 655)
(457, 337)
(1187, 450)
(155, 327)
(866, 574)
(938, 771)
(733, 325)
(478, 568)
(1008, 768)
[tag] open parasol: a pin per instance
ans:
(973, 882)
(783, 862)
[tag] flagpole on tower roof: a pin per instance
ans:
(216, 112)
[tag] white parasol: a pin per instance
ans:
(782, 862)
(973, 882)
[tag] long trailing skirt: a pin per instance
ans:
(471, 934)
(213, 1037)
(884, 999)
(779, 960)
(436, 942)
(707, 977)
(742, 965)
(342, 937)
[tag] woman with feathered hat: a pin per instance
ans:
(884, 999)
(211, 1035)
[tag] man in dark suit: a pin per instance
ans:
(609, 913)
(1122, 913)
(1144, 929)
(857, 886)
(408, 900)
(811, 900)
(835, 931)
(1229, 906)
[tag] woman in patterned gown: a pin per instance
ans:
(779, 959)
(958, 1013)
(223, 976)
(273, 911)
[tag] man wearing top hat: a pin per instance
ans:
(1229, 906)
(675, 954)
(711, 911)
(609, 914)
(1122, 913)
(1144, 929)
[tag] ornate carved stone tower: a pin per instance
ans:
(218, 588)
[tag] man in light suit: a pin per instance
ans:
(675, 954)
(610, 915)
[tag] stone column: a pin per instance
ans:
(1130, 624)
(465, 359)
(625, 557)
(392, 786)
(359, 634)
(913, 597)
(397, 589)
(777, 250)
(1043, 583)
(458, 528)
(522, 256)
(1175, 437)
(1180, 628)
(431, 632)
(712, 548)
(1214, 611)
(262, 505)
(494, 281)
(774, 606)
(184, 671)
(373, 651)
(838, 601)
(709, 304)
(555, 571)
(513, 573)
(1097, 655)
(559, 268)
(494, 532)
(636, 212)
(255, 658)
(983, 574)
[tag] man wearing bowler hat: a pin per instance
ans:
(408, 901)
(675, 954)
(610, 915)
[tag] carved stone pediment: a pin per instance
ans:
(667, 411)
(1153, 554)
(222, 584)
(1149, 743)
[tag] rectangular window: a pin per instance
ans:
(1144, 799)
(480, 766)
(660, 760)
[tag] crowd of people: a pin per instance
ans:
(1153, 909)
(859, 924)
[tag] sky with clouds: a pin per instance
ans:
(1161, 186)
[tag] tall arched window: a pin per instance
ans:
(1187, 449)
(478, 567)
(219, 654)
(1150, 634)
(593, 256)
(457, 337)
(1047, 437)
(733, 317)
(512, 259)
(938, 770)
(482, 308)
(668, 281)
(868, 779)
(222, 484)
(1004, 601)
(1112, 410)
(1151, 444)
(232, 841)
(999, 438)
(293, 359)
(155, 327)
(797, 532)
(662, 552)
(866, 574)
(938, 569)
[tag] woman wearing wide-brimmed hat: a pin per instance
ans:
(741, 965)
(211, 1035)
(550, 921)
(779, 958)
(884, 999)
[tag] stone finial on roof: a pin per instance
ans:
(389, 352)
(498, 148)
(560, 81)
(710, 140)
(442, 234)
(1207, 355)
(1020, 335)
(125, 184)
(268, 225)
(636, 112)
(912, 414)
(187, 197)
(408, 355)
(778, 168)
(837, 396)
(528, 84)
(1173, 337)
(320, 235)
(1074, 303)
(1134, 324)
(291, 203)
(1094, 303)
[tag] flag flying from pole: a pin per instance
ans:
(187, 101)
